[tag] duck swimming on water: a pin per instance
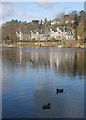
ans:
(59, 90)
(10, 59)
(46, 106)
(31, 61)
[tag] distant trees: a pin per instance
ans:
(85, 27)
(45, 21)
(61, 18)
(35, 21)
(9, 32)
(81, 25)
(76, 20)
(41, 22)
(76, 23)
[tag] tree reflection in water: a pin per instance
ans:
(63, 62)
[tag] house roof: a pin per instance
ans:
(68, 29)
(61, 28)
(54, 29)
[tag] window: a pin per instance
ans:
(59, 32)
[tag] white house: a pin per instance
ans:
(20, 35)
(39, 35)
(54, 22)
(60, 33)
(23, 36)
(34, 35)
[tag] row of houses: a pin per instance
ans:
(58, 33)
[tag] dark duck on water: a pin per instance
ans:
(46, 106)
(59, 90)
(31, 61)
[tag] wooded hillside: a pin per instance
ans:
(74, 19)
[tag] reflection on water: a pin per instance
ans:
(31, 77)
(63, 62)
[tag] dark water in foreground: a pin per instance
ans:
(31, 77)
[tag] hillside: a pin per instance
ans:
(74, 19)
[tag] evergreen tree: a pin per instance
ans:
(76, 23)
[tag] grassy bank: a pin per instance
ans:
(64, 44)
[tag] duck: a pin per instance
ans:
(10, 59)
(59, 90)
(31, 61)
(46, 106)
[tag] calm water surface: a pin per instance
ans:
(31, 77)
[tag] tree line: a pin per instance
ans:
(74, 19)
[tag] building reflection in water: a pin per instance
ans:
(20, 55)
(63, 62)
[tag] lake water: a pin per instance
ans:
(32, 75)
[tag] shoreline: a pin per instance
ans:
(13, 46)
(62, 44)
